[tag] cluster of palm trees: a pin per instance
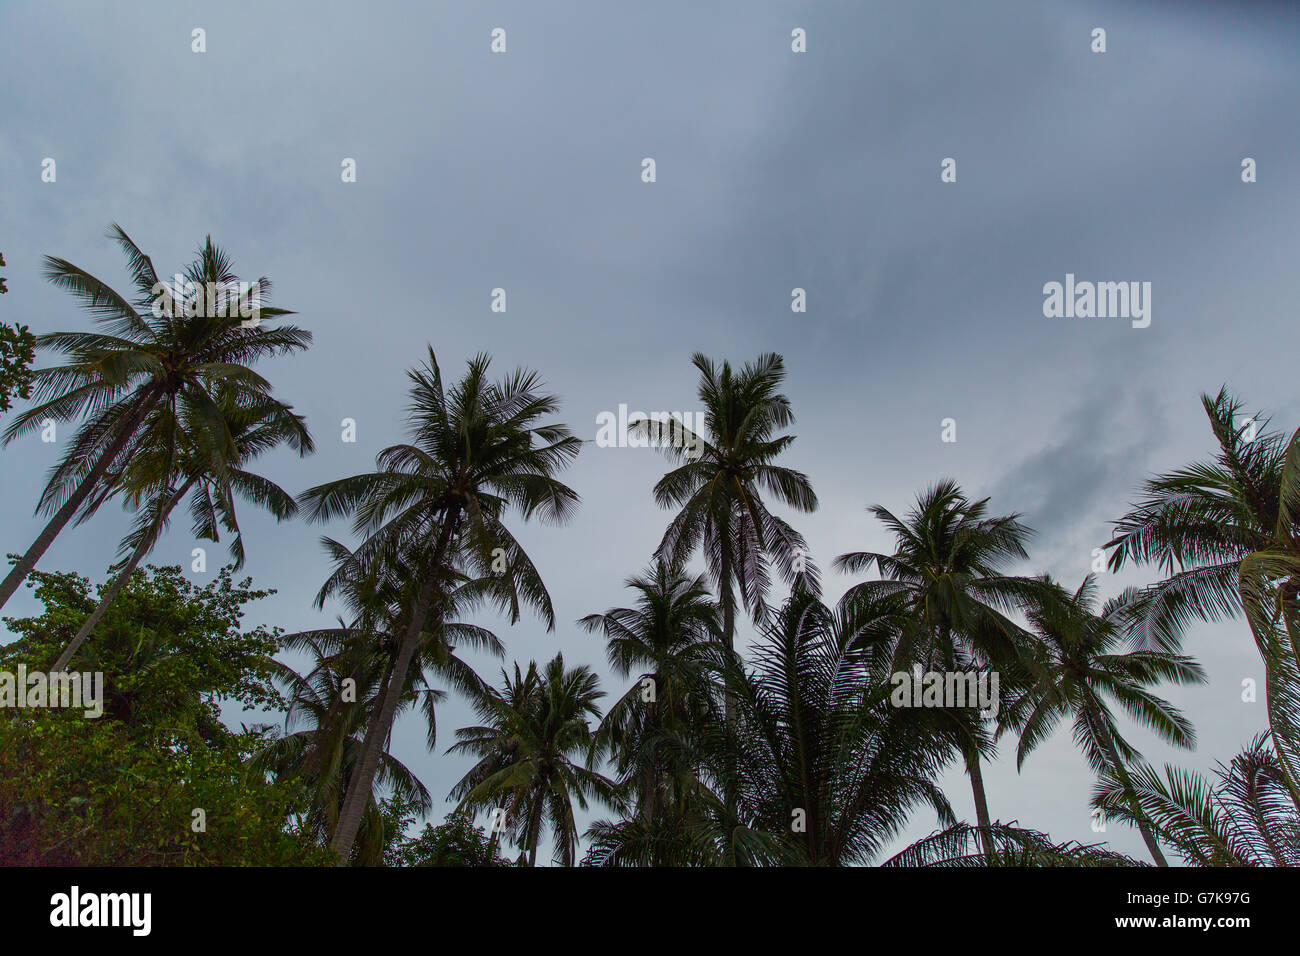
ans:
(790, 754)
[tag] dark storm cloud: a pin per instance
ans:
(1084, 476)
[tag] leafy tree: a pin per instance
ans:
(151, 371)
(121, 789)
(17, 353)
(456, 842)
(171, 651)
(78, 792)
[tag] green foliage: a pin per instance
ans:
(121, 789)
(533, 747)
(960, 846)
(79, 792)
(170, 650)
(1226, 531)
(1244, 818)
(793, 755)
(457, 842)
(17, 352)
(142, 381)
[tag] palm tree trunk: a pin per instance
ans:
(1122, 772)
(141, 549)
(380, 726)
(1291, 628)
(1270, 709)
(728, 601)
(535, 830)
(981, 803)
(27, 562)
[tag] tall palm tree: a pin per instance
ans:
(1078, 664)
(947, 565)
(719, 488)
(535, 734)
(1226, 532)
(1246, 818)
(477, 450)
(172, 357)
(256, 425)
(670, 638)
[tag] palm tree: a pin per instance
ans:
(826, 770)
(255, 425)
(171, 357)
(325, 781)
(947, 565)
(1078, 665)
(364, 652)
(1245, 819)
(535, 731)
(1226, 533)
(476, 451)
(670, 637)
(963, 846)
(718, 485)
(719, 488)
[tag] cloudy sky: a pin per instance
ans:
(775, 170)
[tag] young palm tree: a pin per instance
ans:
(173, 357)
(535, 731)
(1078, 665)
(826, 769)
(365, 651)
(1227, 534)
(325, 755)
(255, 425)
(325, 782)
(947, 565)
(1245, 819)
(477, 451)
(964, 846)
(670, 637)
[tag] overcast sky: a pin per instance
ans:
(775, 170)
